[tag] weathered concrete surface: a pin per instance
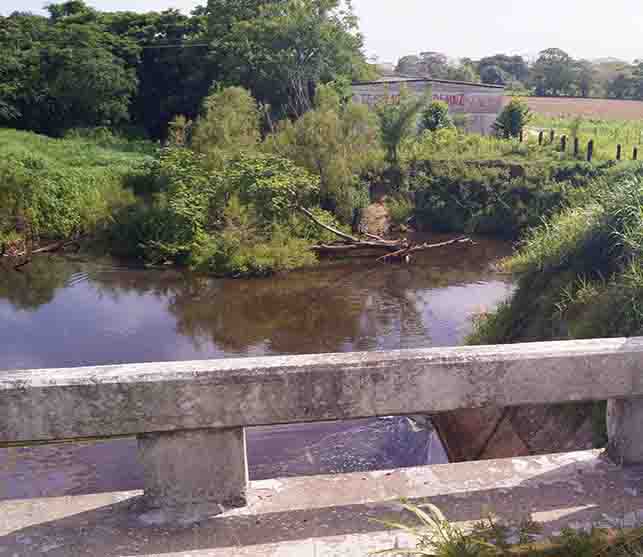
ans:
(625, 430)
(493, 432)
(140, 398)
(190, 474)
(333, 515)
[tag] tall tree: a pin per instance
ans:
(280, 50)
(553, 73)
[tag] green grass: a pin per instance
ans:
(607, 134)
(57, 188)
(437, 537)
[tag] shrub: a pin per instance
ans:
(338, 142)
(481, 198)
(513, 119)
(436, 117)
(228, 126)
(235, 222)
(400, 209)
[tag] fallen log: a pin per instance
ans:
(406, 252)
(401, 249)
(28, 254)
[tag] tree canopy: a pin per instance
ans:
(79, 67)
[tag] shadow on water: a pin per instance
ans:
(61, 312)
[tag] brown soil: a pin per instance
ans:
(376, 219)
(605, 109)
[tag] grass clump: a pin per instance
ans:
(437, 537)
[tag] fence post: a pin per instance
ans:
(563, 143)
(618, 152)
(552, 134)
(635, 154)
(576, 146)
(541, 135)
(590, 150)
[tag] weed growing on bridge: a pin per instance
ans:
(437, 537)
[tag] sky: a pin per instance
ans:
(473, 28)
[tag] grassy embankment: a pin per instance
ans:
(52, 189)
(580, 274)
(607, 134)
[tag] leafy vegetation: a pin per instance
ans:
(52, 189)
(79, 67)
(337, 141)
(554, 73)
(437, 537)
(579, 274)
(436, 117)
(494, 199)
(513, 119)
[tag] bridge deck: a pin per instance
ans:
(325, 516)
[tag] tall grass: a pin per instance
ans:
(55, 188)
(607, 134)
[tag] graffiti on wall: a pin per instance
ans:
(481, 103)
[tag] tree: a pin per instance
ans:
(281, 50)
(463, 71)
(229, 126)
(436, 117)
(409, 65)
(398, 121)
(493, 75)
(585, 77)
(337, 141)
(622, 86)
(511, 68)
(512, 120)
(63, 71)
(554, 73)
(434, 64)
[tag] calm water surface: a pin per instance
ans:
(63, 312)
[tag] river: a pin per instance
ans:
(73, 311)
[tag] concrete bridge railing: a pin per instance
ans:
(189, 417)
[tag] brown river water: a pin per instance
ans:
(73, 311)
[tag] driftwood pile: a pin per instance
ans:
(397, 250)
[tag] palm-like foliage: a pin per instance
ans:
(398, 121)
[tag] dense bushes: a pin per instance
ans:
(238, 221)
(486, 199)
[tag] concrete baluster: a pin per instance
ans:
(190, 475)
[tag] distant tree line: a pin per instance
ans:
(79, 67)
(554, 73)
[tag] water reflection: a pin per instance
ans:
(69, 312)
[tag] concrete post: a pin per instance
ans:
(190, 475)
(625, 430)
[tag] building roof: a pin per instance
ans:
(407, 79)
